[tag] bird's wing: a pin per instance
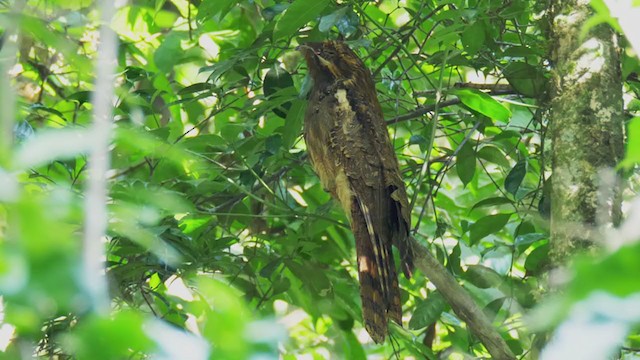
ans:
(360, 160)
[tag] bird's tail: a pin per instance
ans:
(379, 289)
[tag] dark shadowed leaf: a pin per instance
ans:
(483, 277)
(214, 9)
(276, 79)
(537, 259)
(525, 78)
(466, 163)
(515, 177)
(428, 311)
(492, 309)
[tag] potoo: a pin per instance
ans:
(351, 152)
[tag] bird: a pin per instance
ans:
(351, 152)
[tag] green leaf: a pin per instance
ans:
(494, 155)
(523, 242)
(473, 37)
(492, 309)
(492, 202)
(352, 347)
(514, 178)
(293, 123)
(268, 269)
(483, 103)
(194, 88)
(632, 155)
(168, 54)
(276, 79)
(214, 9)
(428, 311)
(328, 21)
(466, 163)
(348, 24)
(537, 259)
(525, 78)
(482, 276)
(297, 15)
(487, 225)
(344, 19)
(419, 140)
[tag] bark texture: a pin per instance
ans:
(461, 303)
(586, 127)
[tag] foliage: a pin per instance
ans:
(220, 237)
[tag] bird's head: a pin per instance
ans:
(331, 60)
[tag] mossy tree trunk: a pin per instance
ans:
(586, 127)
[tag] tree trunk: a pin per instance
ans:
(586, 128)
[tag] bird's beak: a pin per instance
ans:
(306, 49)
(303, 48)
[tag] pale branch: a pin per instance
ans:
(461, 302)
(96, 198)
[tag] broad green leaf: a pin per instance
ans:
(523, 242)
(344, 19)
(487, 225)
(297, 15)
(419, 140)
(168, 54)
(515, 177)
(525, 78)
(483, 103)
(483, 277)
(466, 163)
(491, 202)
(348, 24)
(473, 37)
(494, 155)
(537, 259)
(352, 347)
(492, 309)
(276, 79)
(194, 88)
(216, 9)
(427, 311)
(328, 21)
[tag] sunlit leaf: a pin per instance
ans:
(487, 225)
(297, 14)
(483, 103)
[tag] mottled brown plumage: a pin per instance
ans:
(350, 150)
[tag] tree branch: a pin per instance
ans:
(461, 303)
